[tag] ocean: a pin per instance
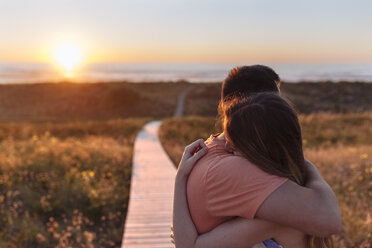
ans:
(11, 73)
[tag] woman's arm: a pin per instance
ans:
(235, 233)
(312, 209)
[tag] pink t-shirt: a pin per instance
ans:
(222, 186)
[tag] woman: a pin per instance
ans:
(265, 130)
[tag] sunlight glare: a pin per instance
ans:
(68, 56)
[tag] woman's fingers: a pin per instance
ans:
(192, 153)
(190, 149)
(200, 153)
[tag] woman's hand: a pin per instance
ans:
(191, 154)
(184, 233)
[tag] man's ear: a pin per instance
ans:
(278, 84)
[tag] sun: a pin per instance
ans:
(68, 57)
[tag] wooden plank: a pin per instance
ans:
(150, 207)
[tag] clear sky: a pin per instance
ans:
(189, 30)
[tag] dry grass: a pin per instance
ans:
(340, 145)
(65, 185)
(348, 169)
(332, 129)
(64, 178)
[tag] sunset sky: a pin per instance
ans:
(188, 30)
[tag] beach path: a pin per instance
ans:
(180, 102)
(149, 215)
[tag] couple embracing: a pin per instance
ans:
(250, 186)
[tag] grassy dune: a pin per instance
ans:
(102, 101)
(339, 144)
(96, 101)
(307, 97)
(65, 185)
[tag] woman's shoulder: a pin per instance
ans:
(235, 167)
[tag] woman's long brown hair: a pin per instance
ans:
(265, 128)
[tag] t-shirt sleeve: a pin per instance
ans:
(236, 187)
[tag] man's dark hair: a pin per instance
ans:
(245, 80)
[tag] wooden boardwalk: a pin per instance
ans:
(150, 208)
